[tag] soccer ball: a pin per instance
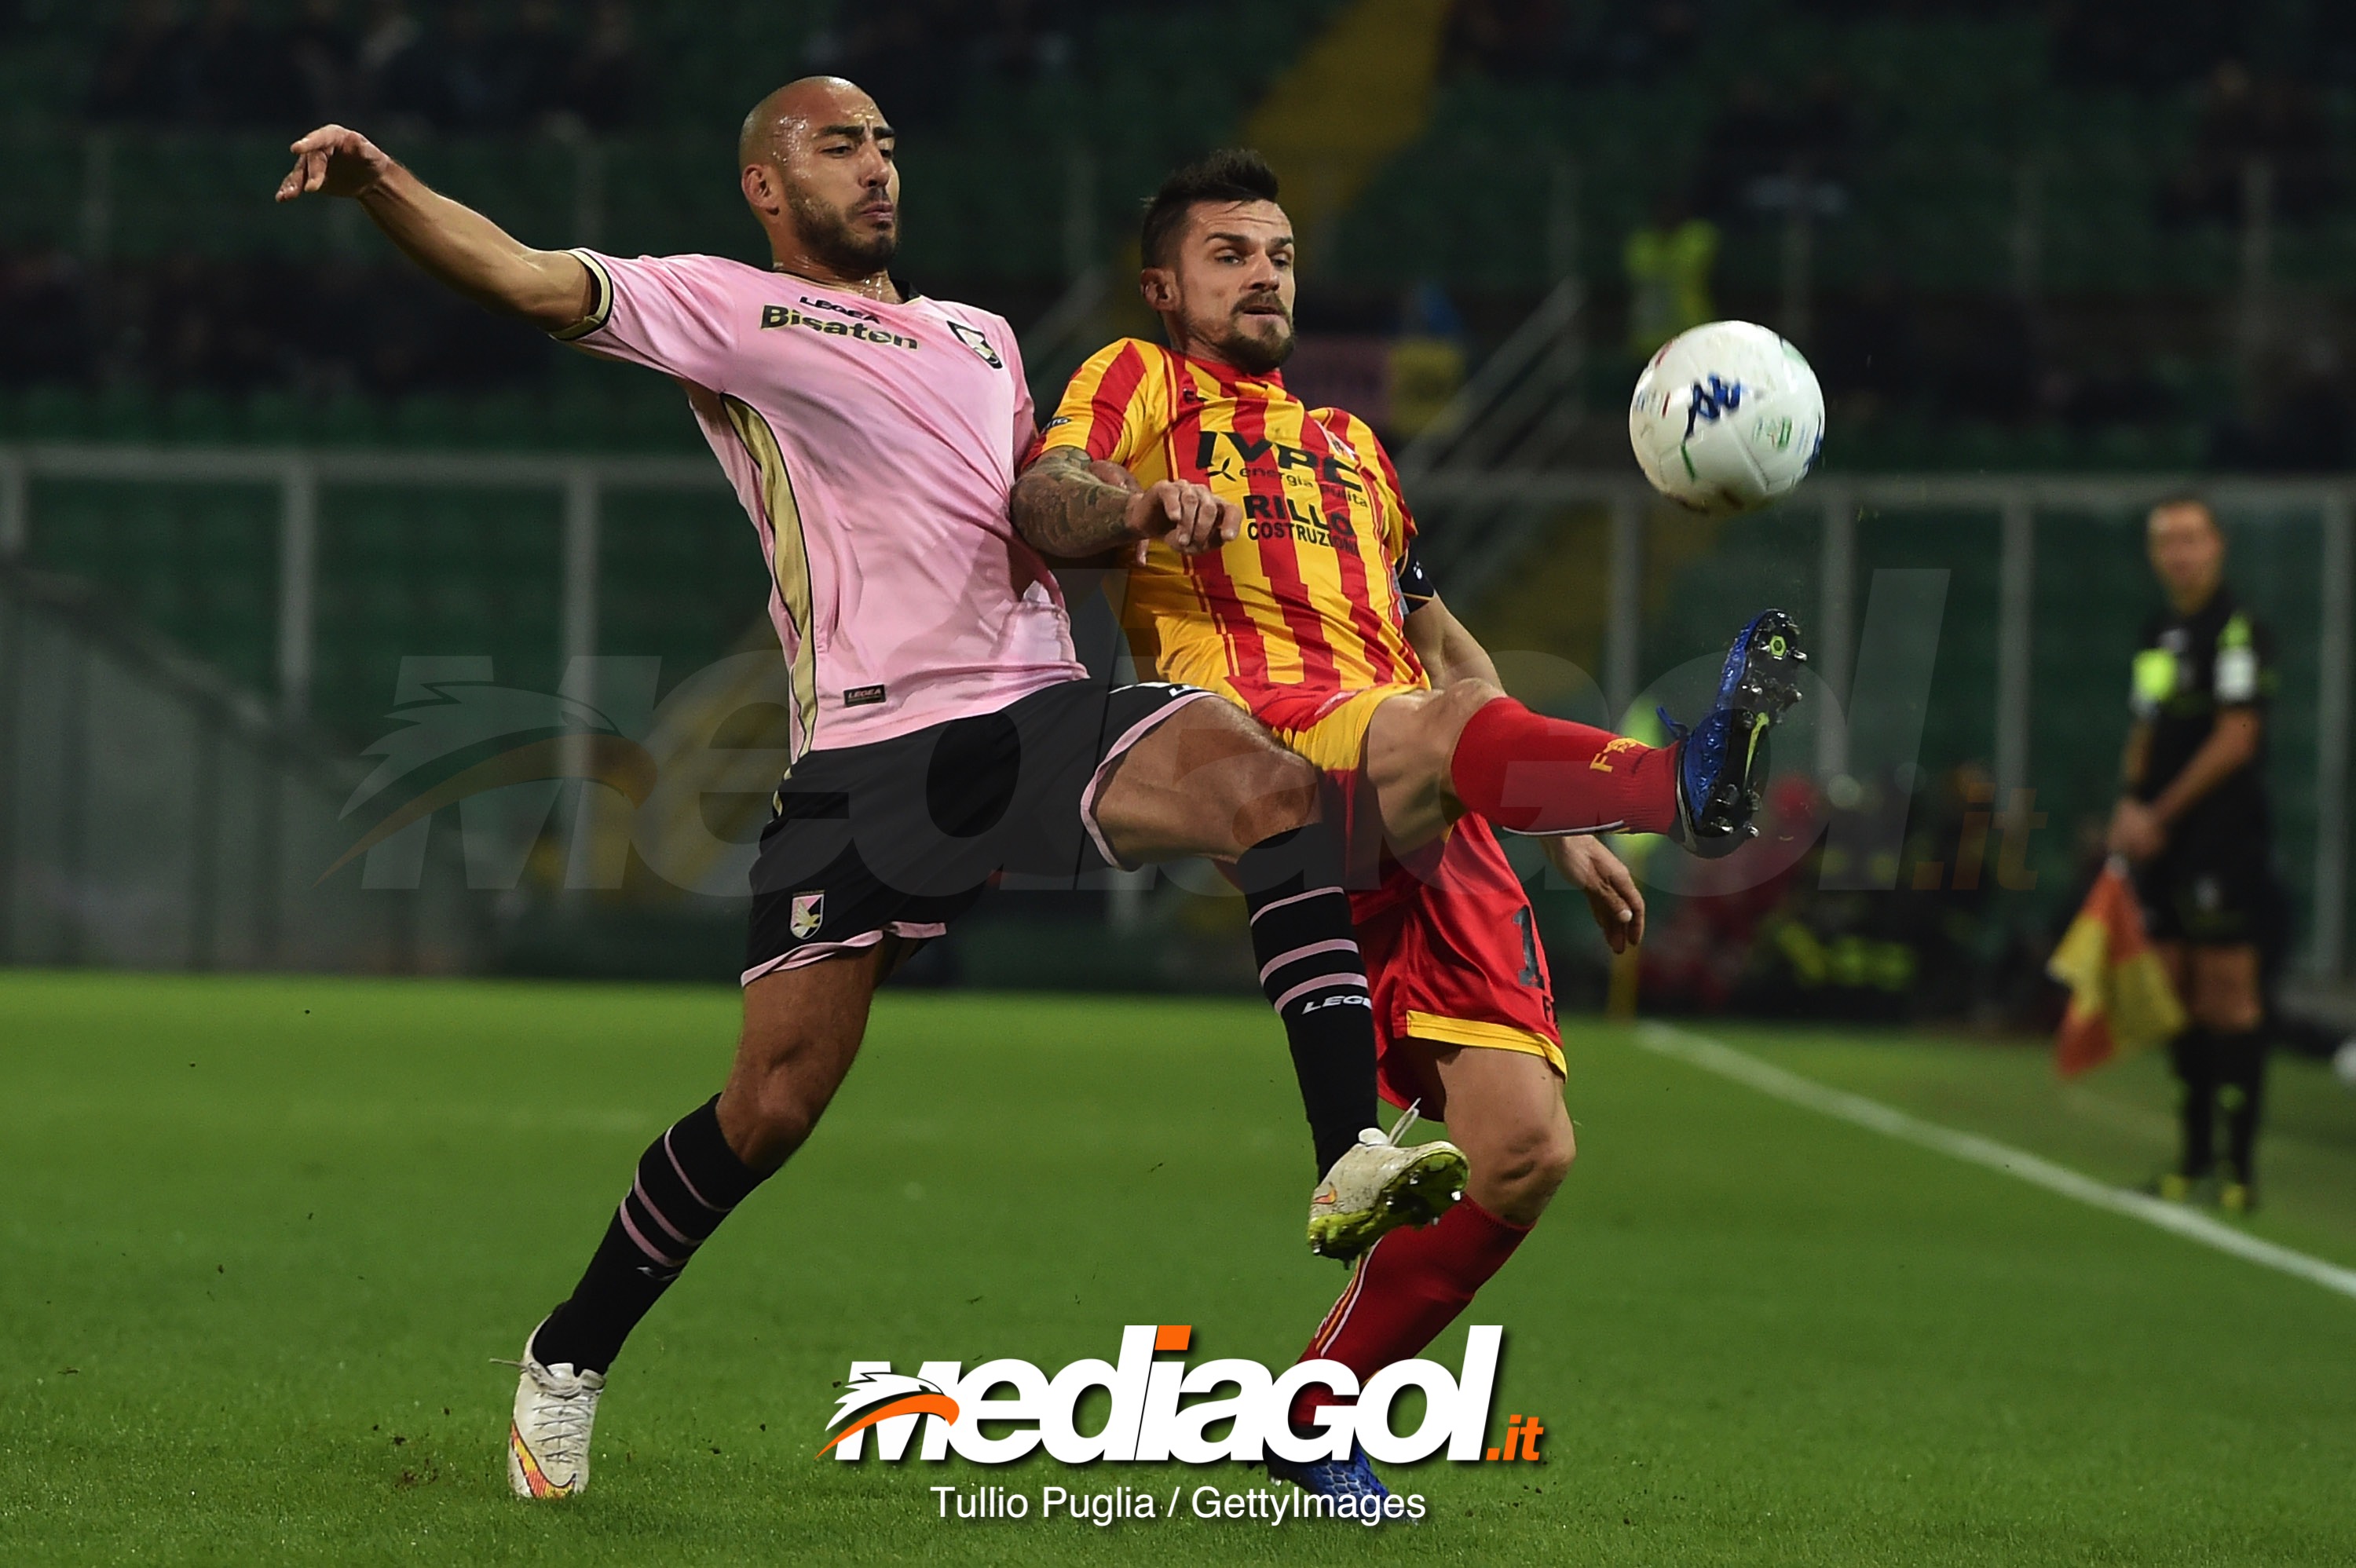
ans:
(1727, 417)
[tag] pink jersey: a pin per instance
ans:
(873, 446)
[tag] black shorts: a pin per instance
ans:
(902, 836)
(2209, 889)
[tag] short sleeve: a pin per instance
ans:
(667, 312)
(2244, 675)
(2151, 679)
(2151, 682)
(1113, 407)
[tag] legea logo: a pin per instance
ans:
(1163, 1408)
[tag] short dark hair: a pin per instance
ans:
(1231, 173)
(2185, 500)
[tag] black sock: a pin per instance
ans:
(688, 1180)
(2242, 1070)
(2194, 1053)
(1312, 974)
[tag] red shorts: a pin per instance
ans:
(1452, 957)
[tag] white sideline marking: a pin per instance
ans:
(1768, 1079)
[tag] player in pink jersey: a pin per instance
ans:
(943, 731)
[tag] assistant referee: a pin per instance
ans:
(2194, 818)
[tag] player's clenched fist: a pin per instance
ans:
(1191, 518)
(333, 161)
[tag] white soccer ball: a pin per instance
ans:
(1727, 417)
(2343, 1064)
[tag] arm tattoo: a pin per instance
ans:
(1063, 510)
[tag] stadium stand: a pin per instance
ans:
(2083, 237)
(2054, 216)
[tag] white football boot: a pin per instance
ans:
(1381, 1185)
(548, 1443)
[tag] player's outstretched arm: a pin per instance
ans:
(452, 242)
(1070, 506)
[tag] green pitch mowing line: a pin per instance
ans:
(262, 1239)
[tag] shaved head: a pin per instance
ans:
(816, 162)
(802, 105)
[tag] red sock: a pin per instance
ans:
(1404, 1292)
(1534, 774)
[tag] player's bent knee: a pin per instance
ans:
(1466, 698)
(1519, 1174)
(2225, 998)
(2227, 1015)
(1421, 751)
(766, 1117)
(1277, 792)
(1551, 1154)
(1564, 1149)
(775, 1097)
(1456, 707)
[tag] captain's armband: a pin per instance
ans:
(1415, 584)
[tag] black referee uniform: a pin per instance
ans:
(2212, 885)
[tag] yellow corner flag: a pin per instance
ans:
(2120, 998)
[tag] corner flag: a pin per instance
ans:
(2120, 998)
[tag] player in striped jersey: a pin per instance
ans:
(943, 730)
(1315, 616)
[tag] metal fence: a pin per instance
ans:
(2045, 591)
(2044, 588)
(581, 483)
(151, 817)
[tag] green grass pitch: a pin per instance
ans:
(262, 1239)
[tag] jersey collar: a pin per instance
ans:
(1228, 377)
(908, 295)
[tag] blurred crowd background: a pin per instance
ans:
(2079, 233)
(2060, 237)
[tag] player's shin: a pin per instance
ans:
(2242, 1075)
(1529, 774)
(1407, 1290)
(687, 1181)
(1307, 948)
(2193, 1053)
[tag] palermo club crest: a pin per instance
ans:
(978, 344)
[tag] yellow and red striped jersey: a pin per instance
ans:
(1304, 603)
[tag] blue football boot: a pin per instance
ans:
(1350, 1477)
(1724, 760)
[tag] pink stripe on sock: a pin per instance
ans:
(1339, 944)
(646, 1246)
(683, 1181)
(1292, 899)
(682, 1237)
(1323, 983)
